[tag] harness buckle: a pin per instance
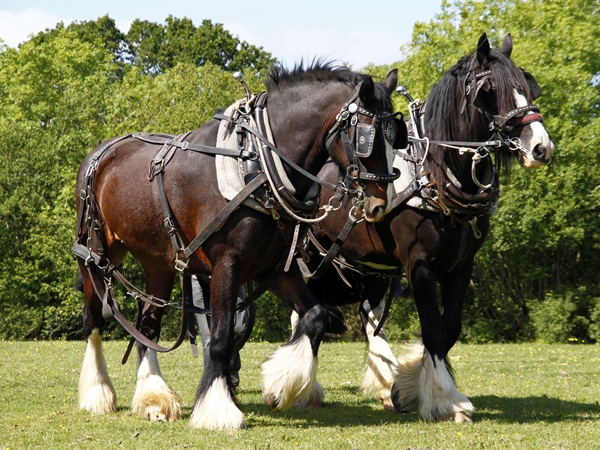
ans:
(473, 222)
(180, 265)
(169, 225)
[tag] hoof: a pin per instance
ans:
(458, 417)
(289, 374)
(388, 405)
(401, 402)
(158, 406)
(313, 400)
(216, 409)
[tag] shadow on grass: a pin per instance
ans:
(533, 409)
(367, 411)
(370, 412)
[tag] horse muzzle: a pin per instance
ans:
(372, 209)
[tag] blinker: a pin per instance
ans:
(365, 137)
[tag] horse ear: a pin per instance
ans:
(534, 87)
(401, 140)
(367, 88)
(483, 48)
(507, 46)
(391, 80)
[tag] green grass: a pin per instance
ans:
(528, 396)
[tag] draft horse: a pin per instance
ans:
(175, 219)
(442, 206)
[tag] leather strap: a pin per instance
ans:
(331, 253)
(224, 214)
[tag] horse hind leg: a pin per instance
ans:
(382, 365)
(96, 392)
(406, 386)
(153, 398)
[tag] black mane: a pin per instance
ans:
(322, 71)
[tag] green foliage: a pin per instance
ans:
(570, 315)
(61, 94)
(155, 48)
(272, 319)
(69, 88)
(545, 236)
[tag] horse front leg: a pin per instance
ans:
(290, 373)
(215, 407)
(453, 290)
(382, 365)
(153, 398)
(423, 379)
(314, 398)
(96, 392)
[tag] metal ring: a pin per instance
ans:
(351, 214)
(329, 204)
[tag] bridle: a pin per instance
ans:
(362, 144)
(500, 125)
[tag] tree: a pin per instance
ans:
(155, 48)
(61, 96)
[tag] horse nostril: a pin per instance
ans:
(539, 152)
(377, 213)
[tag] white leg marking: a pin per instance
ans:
(153, 398)
(216, 410)
(314, 398)
(381, 365)
(407, 379)
(288, 374)
(439, 398)
(96, 393)
(294, 318)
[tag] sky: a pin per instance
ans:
(347, 31)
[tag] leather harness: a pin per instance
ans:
(89, 237)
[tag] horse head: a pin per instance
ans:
(502, 95)
(361, 143)
(344, 116)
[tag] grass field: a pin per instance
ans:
(528, 396)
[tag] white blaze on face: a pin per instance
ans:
(537, 135)
(389, 151)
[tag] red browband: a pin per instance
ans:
(537, 117)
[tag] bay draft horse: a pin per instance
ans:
(435, 234)
(315, 113)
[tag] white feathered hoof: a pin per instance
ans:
(289, 374)
(407, 384)
(216, 410)
(403, 401)
(157, 405)
(313, 400)
(438, 396)
(96, 393)
(153, 398)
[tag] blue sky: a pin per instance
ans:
(350, 31)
